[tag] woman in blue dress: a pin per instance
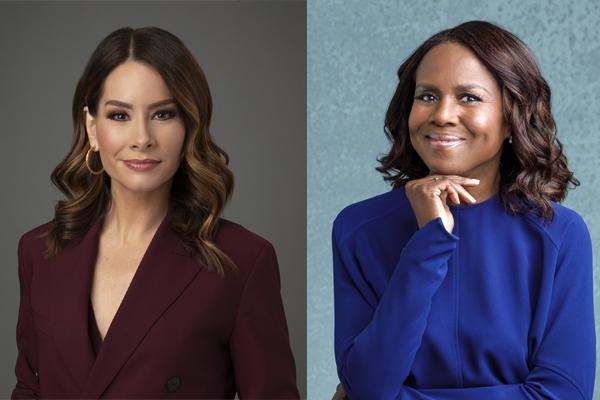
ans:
(468, 280)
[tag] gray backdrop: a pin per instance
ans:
(354, 50)
(254, 57)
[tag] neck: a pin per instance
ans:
(133, 217)
(487, 188)
(489, 185)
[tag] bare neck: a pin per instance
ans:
(133, 218)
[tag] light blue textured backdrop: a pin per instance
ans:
(354, 50)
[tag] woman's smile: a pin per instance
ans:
(141, 165)
(444, 140)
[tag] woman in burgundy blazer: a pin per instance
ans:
(202, 315)
(180, 332)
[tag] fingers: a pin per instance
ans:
(461, 179)
(463, 193)
(454, 186)
(452, 192)
(340, 394)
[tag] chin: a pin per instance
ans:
(446, 169)
(143, 185)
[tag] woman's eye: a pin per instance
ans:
(162, 115)
(165, 114)
(117, 116)
(469, 98)
(426, 97)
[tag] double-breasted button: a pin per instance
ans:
(36, 377)
(173, 384)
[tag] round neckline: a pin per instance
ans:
(464, 206)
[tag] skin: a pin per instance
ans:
(139, 198)
(456, 94)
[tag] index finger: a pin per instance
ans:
(465, 180)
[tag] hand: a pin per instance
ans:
(340, 394)
(428, 197)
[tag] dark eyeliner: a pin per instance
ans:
(171, 114)
(112, 114)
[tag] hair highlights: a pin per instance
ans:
(203, 183)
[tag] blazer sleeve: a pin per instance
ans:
(25, 369)
(564, 365)
(376, 342)
(263, 361)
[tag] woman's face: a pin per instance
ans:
(137, 119)
(456, 123)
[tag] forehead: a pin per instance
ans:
(452, 64)
(135, 82)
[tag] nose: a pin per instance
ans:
(445, 112)
(142, 136)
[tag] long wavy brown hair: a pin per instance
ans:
(203, 183)
(533, 169)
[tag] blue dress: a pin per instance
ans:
(501, 308)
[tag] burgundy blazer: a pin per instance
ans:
(180, 331)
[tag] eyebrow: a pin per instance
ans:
(127, 105)
(466, 86)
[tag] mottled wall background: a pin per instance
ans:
(354, 50)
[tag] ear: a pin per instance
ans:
(90, 127)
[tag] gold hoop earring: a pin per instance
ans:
(87, 164)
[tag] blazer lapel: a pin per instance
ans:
(164, 272)
(71, 278)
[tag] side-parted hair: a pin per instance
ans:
(533, 169)
(203, 183)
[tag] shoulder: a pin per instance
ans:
(373, 212)
(35, 238)
(246, 248)
(566, 225)
(32, 247)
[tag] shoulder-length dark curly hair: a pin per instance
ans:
(203, 183)
(533, 169)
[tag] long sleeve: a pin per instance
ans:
(563, 365)
(26, 386)
(376, 341)
(263, 361)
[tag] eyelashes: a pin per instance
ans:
(472, 96)
(165, 115)
(428, 98)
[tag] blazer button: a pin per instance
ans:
(36, 377)
(173, 384)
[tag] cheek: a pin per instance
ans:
(416, 118)
(110, 137)
(171, 138)
(484, 121)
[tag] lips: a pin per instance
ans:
(444, 140)
(141, 165)
(144, 161)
